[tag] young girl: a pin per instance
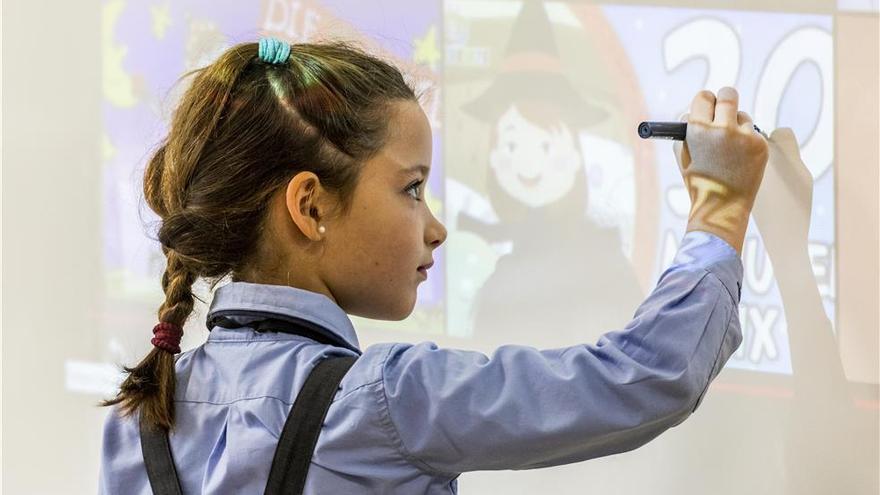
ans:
(299, 171)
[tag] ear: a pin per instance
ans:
(305, 200)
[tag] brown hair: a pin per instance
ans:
(541, 114)
(240, 132)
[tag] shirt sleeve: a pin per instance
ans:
(451, 411)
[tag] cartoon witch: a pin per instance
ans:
(565, 276)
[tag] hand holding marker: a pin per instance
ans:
(721, 159)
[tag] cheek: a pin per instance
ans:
(385, 246)
(564, 160)
(500, 160)
(381, 273)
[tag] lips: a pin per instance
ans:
(423, 270)
(529, 181)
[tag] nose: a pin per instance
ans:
(435, 234)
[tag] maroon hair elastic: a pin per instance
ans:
(167, 336)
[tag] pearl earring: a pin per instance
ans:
(321, 229)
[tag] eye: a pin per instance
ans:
(415, 187)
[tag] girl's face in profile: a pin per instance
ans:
(372, 256)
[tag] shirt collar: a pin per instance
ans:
(246, 302)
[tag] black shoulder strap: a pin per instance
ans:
(300, 435)
(294, 451)
(157, 458)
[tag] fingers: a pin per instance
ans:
(726, 105)
(744, 120)
(703, 107)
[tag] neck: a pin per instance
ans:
(287, 277)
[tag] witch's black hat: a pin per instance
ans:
(531, 70)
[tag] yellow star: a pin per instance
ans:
(161, 17)
(108, 151)
(116, 84)
(426, 51)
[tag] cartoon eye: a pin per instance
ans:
(546, 146)
(511, 147)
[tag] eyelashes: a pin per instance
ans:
(415, 186)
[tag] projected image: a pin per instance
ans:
(782, 66)
(560, 219)
(542, 193)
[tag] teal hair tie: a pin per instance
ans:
(274, 51)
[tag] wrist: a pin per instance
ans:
(731, 226)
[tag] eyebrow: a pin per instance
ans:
(424, 169)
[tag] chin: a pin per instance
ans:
(401, 313)
(402, 308)
(398, 317)
(393, 311)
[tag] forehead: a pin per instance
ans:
(408, 142)
(538, 116)
(536, 127)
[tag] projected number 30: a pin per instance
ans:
(723, 56)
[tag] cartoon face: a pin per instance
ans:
(537, 166)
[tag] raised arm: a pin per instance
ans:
(452, 411)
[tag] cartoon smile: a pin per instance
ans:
(529, 181)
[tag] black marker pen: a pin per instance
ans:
(671, 130)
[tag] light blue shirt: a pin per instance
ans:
(409, 418)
